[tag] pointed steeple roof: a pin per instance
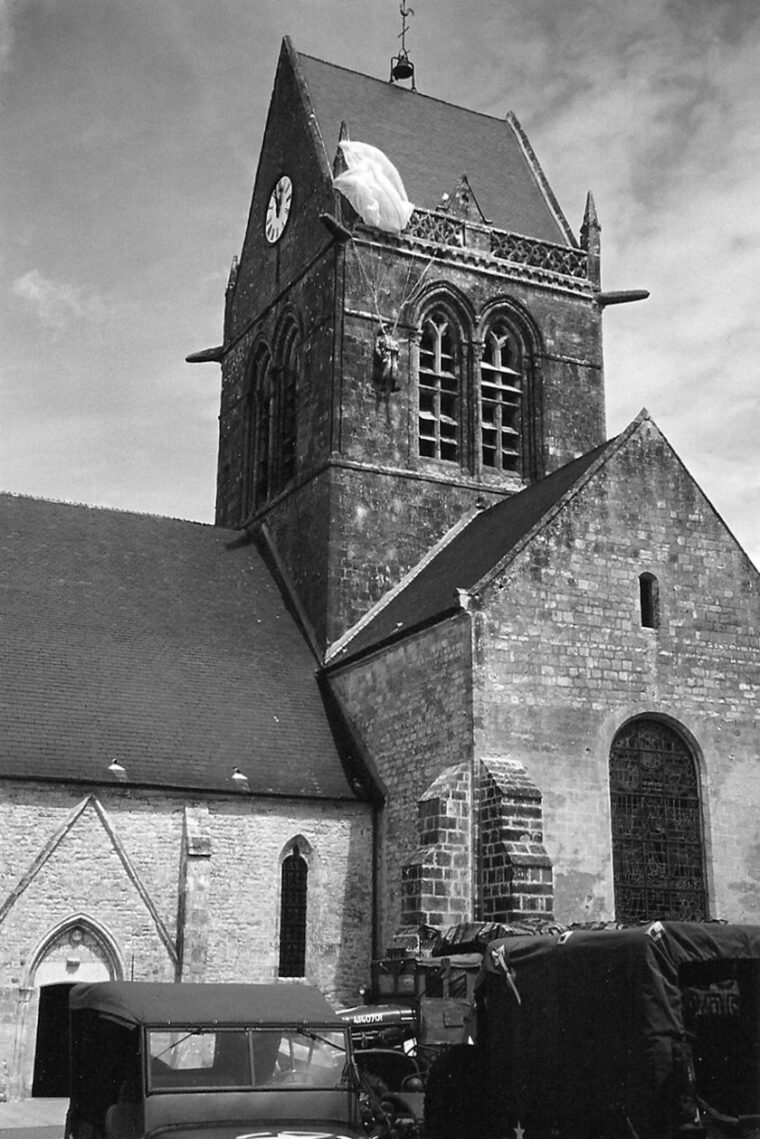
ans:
(463, 203)
(432, 142)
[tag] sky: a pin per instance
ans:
(129, 137)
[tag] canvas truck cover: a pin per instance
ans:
(587, 1018)
(166, 1003)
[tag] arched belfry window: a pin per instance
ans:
(263, 416)
(272, 420)
(439, 387)
(501, 398)
(293, 899)
(657, 849)
(286, 426)
(259, 432)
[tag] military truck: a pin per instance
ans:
(218, 1061)
(417, 1000)
(650, 1032)
(417, 1007)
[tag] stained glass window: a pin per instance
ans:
(657, 849)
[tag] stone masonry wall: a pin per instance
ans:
(310, 302)
(411, 704)
(381, 524)
(436, 883)
(388, 505)
(564, 328)
(562, 661)
(114, 864)
(364, 506)
(515, 871)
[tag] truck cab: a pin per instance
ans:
(216, 1059)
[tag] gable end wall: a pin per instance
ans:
(562, 662)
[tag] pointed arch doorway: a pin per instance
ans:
(656, 811)
(78, 951)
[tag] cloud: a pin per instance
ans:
(58, 303)
(6, 33)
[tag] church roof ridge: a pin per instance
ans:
(466, 561)
(491, 540)
(341, 644)
(101, 507)
(645, 417)
(592, 462)
(416, 93)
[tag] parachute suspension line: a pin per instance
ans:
(407, 298)
(404, 297)
(380, 277)
(374, 286)
(370, 285)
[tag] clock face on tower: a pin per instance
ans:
(278, 209)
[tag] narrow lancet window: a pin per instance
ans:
(287, 413)
(649, 599)
(263, 401)
(258, 433)
(293, 915)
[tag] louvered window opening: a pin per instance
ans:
(261, 431)
(657, 845)
(438, 390)
(293, 917)
(287, 425)
(263, 442)
(273, 425)
(501, 389)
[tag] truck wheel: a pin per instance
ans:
(454, 1096)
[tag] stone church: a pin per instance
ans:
(449, 654)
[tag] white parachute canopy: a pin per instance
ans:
(374, 188)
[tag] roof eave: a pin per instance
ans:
(541, 180)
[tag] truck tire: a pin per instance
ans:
(455, 1095)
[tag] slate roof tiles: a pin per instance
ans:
(472, 551)
(433, 143)
(161, 643)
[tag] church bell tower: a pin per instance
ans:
(379, 385)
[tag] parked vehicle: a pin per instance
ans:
(420, 1004)
(395, 1081)
(640, 1033)
(221, 1060)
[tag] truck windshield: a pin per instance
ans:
(211, 1059)
(721, 1008)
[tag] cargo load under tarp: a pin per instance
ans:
(595, 1026)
